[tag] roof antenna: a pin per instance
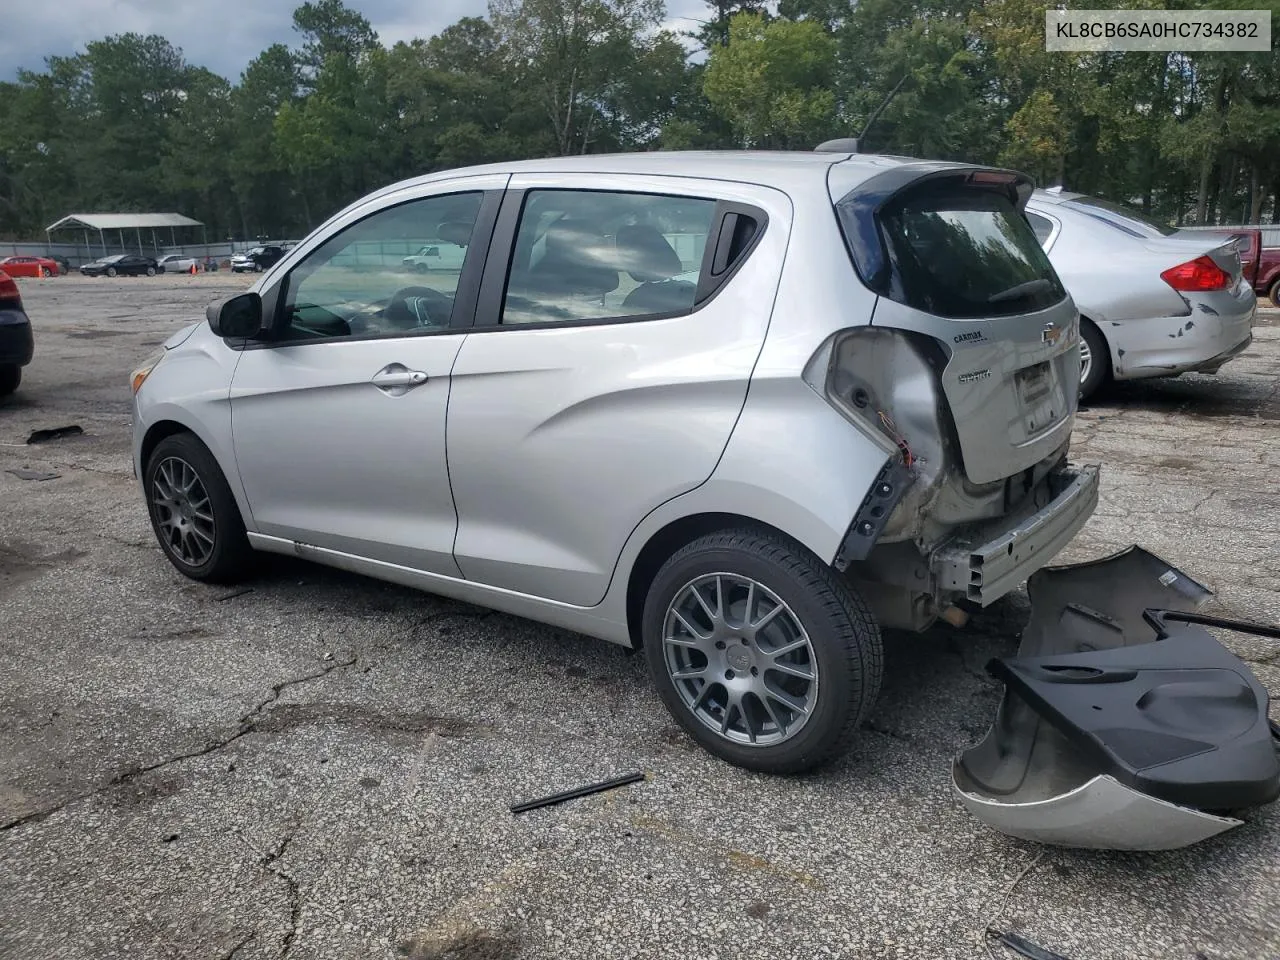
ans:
(850, 144)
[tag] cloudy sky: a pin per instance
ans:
(223, 35)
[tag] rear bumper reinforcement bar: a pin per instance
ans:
(990, 561)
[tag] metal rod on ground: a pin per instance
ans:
(573, 794)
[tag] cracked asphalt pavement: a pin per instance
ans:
(321, 767)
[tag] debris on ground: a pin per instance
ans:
(22, 474)
(576, 792)
(55, 433)
(1023, 946)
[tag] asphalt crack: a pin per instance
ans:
(236, 948)
(294, 895)
(248, 723)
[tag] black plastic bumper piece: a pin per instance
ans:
(868, 523)
(1180, 719)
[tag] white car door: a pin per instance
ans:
(338, 418)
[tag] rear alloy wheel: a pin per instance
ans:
(111, 271)
(10, 377)
(760, 651)
(1095, 368)
(193, 512)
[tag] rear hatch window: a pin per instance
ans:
(964, 252)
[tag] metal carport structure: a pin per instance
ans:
(120, 222)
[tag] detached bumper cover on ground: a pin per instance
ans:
(1110, 738)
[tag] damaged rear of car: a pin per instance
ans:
(967, 377)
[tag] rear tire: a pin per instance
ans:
(1274, 295)
(10, 377)
(1094, 373)
(194, 513)
(792, 666)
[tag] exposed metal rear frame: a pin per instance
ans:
(985, 572)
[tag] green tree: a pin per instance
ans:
(576, 56)
(773, 82)
(330, 28)
(265, 198)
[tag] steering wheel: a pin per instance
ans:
(411, 307)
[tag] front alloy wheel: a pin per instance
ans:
(183, 512)
(194, 513)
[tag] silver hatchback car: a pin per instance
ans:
(741, 410)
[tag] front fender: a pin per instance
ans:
(194, 380)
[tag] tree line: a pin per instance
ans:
(129, 125)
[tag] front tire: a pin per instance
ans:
(10, 377)
(111, 271)
(761, 651)
(1274, 295)
(1095, 363)
(193, 512)
(46, 272)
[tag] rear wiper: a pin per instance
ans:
(1030, 288)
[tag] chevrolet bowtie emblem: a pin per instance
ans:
(1052, 333)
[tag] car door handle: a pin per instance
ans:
(398, 376)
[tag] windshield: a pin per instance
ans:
(1131, 221)
(964, 252)
(115, 259)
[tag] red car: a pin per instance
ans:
(29, 267)
(1259, 263)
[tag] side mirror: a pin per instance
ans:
(238, 316)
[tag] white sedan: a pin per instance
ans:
(177, 263)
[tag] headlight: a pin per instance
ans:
(139, 376)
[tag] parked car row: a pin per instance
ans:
(111, 266)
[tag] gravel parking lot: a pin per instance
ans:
(321, 767)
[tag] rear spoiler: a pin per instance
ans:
(859, 207)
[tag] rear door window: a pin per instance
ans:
(965, 252)
(585, 255)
